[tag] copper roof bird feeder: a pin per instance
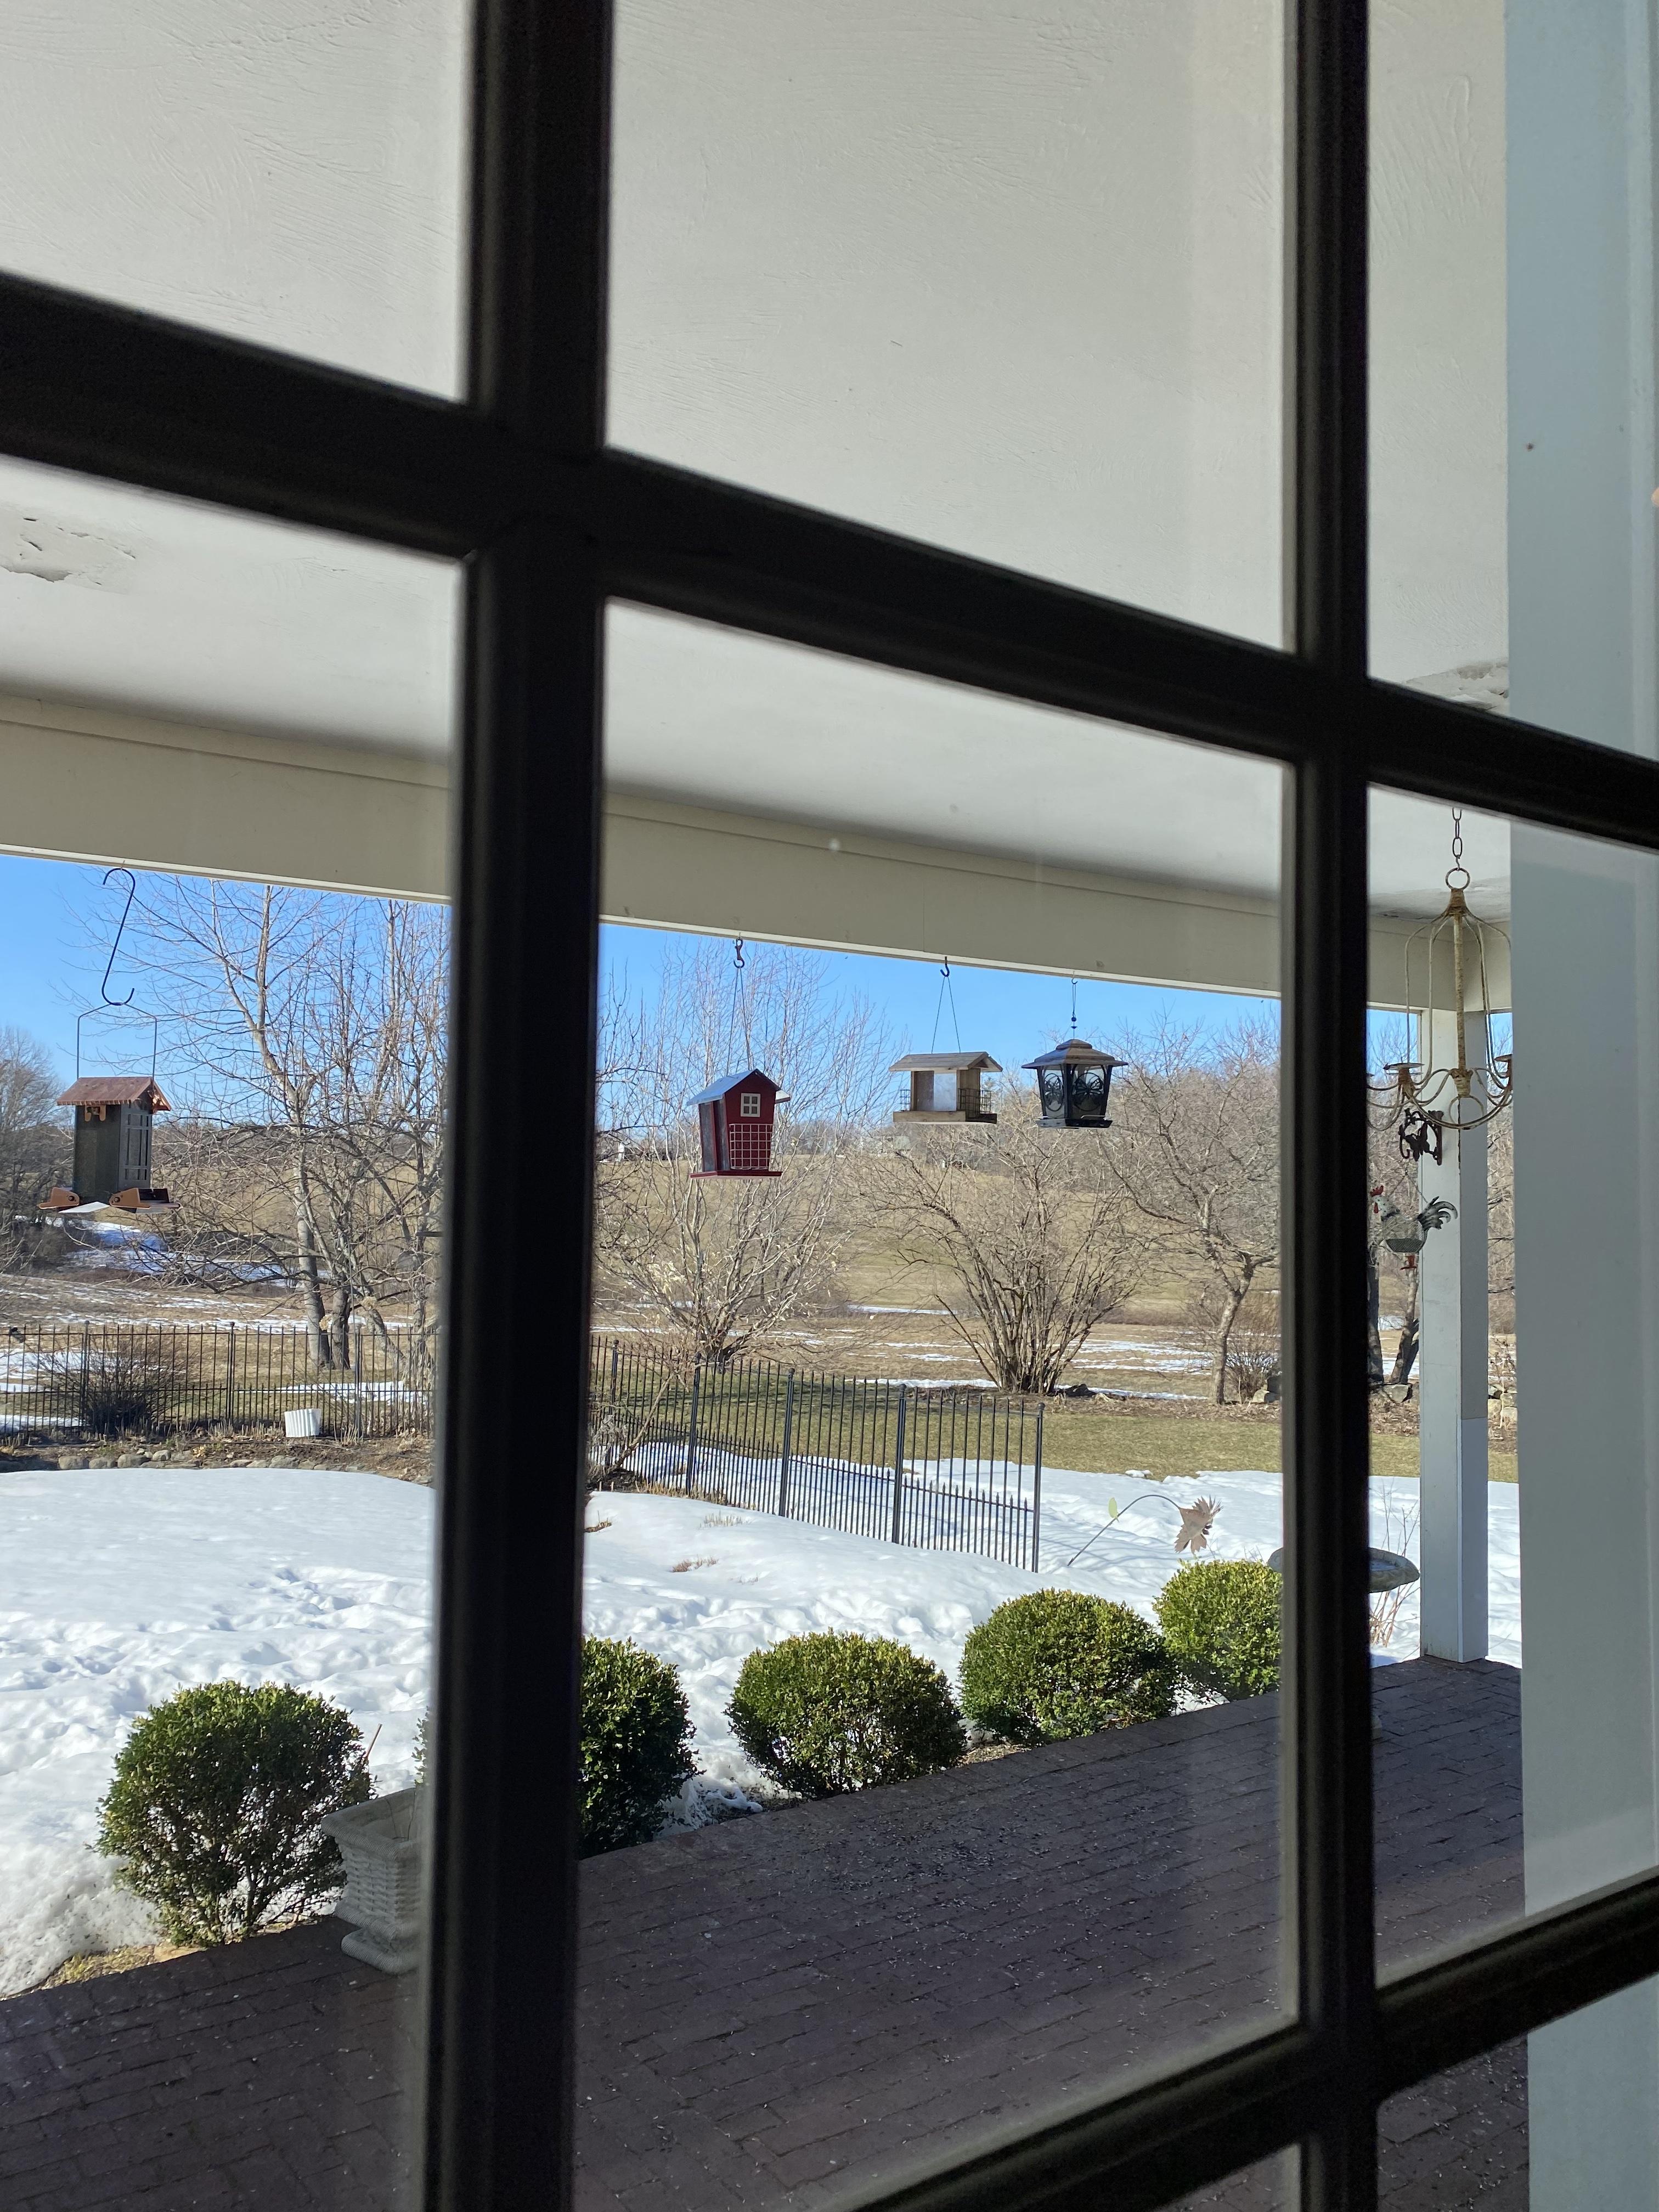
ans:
(113, 1115)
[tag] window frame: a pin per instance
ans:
(516, 480)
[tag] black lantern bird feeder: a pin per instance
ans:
(1074, 1082)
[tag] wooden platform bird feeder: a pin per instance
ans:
(945, 1086)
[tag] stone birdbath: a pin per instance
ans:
(1390, 1570)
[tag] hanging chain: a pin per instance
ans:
(1074, 1005)
(1457, 867)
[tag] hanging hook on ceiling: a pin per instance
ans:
(945, 989)
(739, 1002)
(120, 927)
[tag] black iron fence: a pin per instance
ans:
(945, 1467)
(948, 1469)
(88, 1384)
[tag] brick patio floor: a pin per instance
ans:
(774, 2007)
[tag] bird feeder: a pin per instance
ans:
(945, 1086)
(113, 1115)
(1073, 1084)
(735, 1118)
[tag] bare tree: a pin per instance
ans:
(1029, 1227)
(1196, 1151)
(725, 1261)
(310, 1032)
(35, 1145)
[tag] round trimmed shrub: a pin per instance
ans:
(831, 1712)
(635, 1743)
(1059, 1662)
(1220, 1619)
(213, 1807)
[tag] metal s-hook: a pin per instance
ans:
(739, 1002)
(120, 929)
(945, 989)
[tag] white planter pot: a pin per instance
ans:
(306, 1421)
(384, 1849)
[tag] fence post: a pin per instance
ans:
(615, 1357)
(1036, 1495)
(788, 1442)
(230, 1380)
(691, 1426)
(898, 1470)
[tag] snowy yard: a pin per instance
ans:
(119, 1586)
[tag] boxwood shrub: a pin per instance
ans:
(214, 1807)
(1220, 1619)
(635, 1743)
(1059, 1662)
(831, 1712)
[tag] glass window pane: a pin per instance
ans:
(1270, 2185)
(222, 1152)
(1565, 2117)
(229, 637)
(1514, 448)
(902, 1352)
(1007, 280)
(1512, 1450)
(290, 175)
(1461, 2138)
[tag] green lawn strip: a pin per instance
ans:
(1162, 1445)
(746, 1414)
(1157, 1444)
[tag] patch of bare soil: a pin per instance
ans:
(55, 1297)
(406, 1459)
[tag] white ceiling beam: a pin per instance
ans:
(91, 784)
(94, 785)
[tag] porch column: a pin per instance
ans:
(1451, 1391)
(1583, 454)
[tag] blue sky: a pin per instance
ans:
(1012, 1017)
(49, 971)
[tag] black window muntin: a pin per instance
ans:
(516, 480)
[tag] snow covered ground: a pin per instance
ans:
(119, 1586)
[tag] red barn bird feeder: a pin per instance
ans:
(735, 1118)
